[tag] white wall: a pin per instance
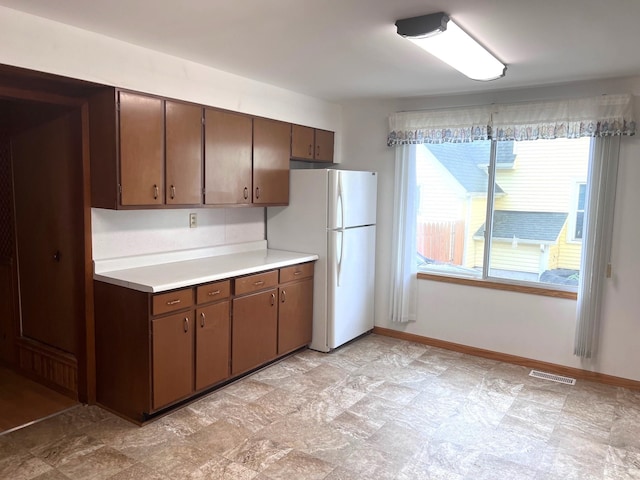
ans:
(530, 326)
(39, 44)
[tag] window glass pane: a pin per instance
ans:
(452, 183)
(536, 213)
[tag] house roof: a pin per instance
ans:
(467, 162)
(543, 227)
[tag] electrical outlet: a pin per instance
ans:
(193, 220)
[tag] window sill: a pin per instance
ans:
(547, 292)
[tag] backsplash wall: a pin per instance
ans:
(119, 233)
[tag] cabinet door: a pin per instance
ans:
(227, 158)
(271, 140)
(324, 146)
(183, 153)
(141, 149)
(172, 358)
(295, 315)
(255, 328)
(302, 142)
(213, 342)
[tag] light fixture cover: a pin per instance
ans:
(441, 37)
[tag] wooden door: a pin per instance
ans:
(141, 149)
(255, 327)
(324, 146)
(302, 142)
(213, 344)
(271, 141)
(227, 156)
(183, 154)
(172, 358)
(47, 169)
(295, 315)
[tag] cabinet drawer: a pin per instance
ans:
(212, 292)
(253, 283)
(296, 272)
(168, 302)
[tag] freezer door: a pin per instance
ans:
(352, 198)
(351, 272)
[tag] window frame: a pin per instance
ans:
(488, 281)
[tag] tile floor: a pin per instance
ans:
(379, 408)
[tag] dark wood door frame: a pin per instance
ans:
(86, 330)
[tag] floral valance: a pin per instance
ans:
(587, 117)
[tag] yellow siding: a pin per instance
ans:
(473, 249)
(523, 258)
(554, 256)
(569, 252)
(544, 176)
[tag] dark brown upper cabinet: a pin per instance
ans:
(183, 156)
(311, 144)
(271, 143)
(227, 158)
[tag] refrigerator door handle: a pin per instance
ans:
(341, 200)
(339, 260)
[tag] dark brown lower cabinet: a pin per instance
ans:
(157, 350)
(255, 330)
(172, 358)
(295, 315)
(213, 337)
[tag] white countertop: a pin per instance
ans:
(167, 271)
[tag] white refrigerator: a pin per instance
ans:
(332, 213)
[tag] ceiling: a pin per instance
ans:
(345, 49)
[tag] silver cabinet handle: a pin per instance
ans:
(213, 294)
(246, 193)
(155, 192)
(297, 272)
(257, 192)
(258, 283)
(273, 299)
(310, 150)
(283, 296)
(186, 324)
(174, 302)
(202, 319)
(173, 192)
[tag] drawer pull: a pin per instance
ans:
(173, 192)
(273, 299)
(213, 293)
(246, 193)
(155, 192)
(174, 302)
(186, 324)
(202, 319)
(297, 272)
(283, 296)
(258, 283)
(257, 192)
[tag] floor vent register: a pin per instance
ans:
(552, 377)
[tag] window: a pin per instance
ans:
(536, 212)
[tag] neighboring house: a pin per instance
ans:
(537, 216)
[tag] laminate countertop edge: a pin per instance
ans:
(163, 277)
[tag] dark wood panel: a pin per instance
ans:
(271, 144)
(295, 315)
(172, 360)
(254, 331)
(213, 344)
(49, 366)
(141, 149)
(103, 147)
(123, 357)
(48, 182)
(183, 153)
(7, 317)
(227, 158)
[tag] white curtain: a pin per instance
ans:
(596, 244)
(404, 269)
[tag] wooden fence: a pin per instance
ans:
(441, 241)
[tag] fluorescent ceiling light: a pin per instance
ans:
(441, 37)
